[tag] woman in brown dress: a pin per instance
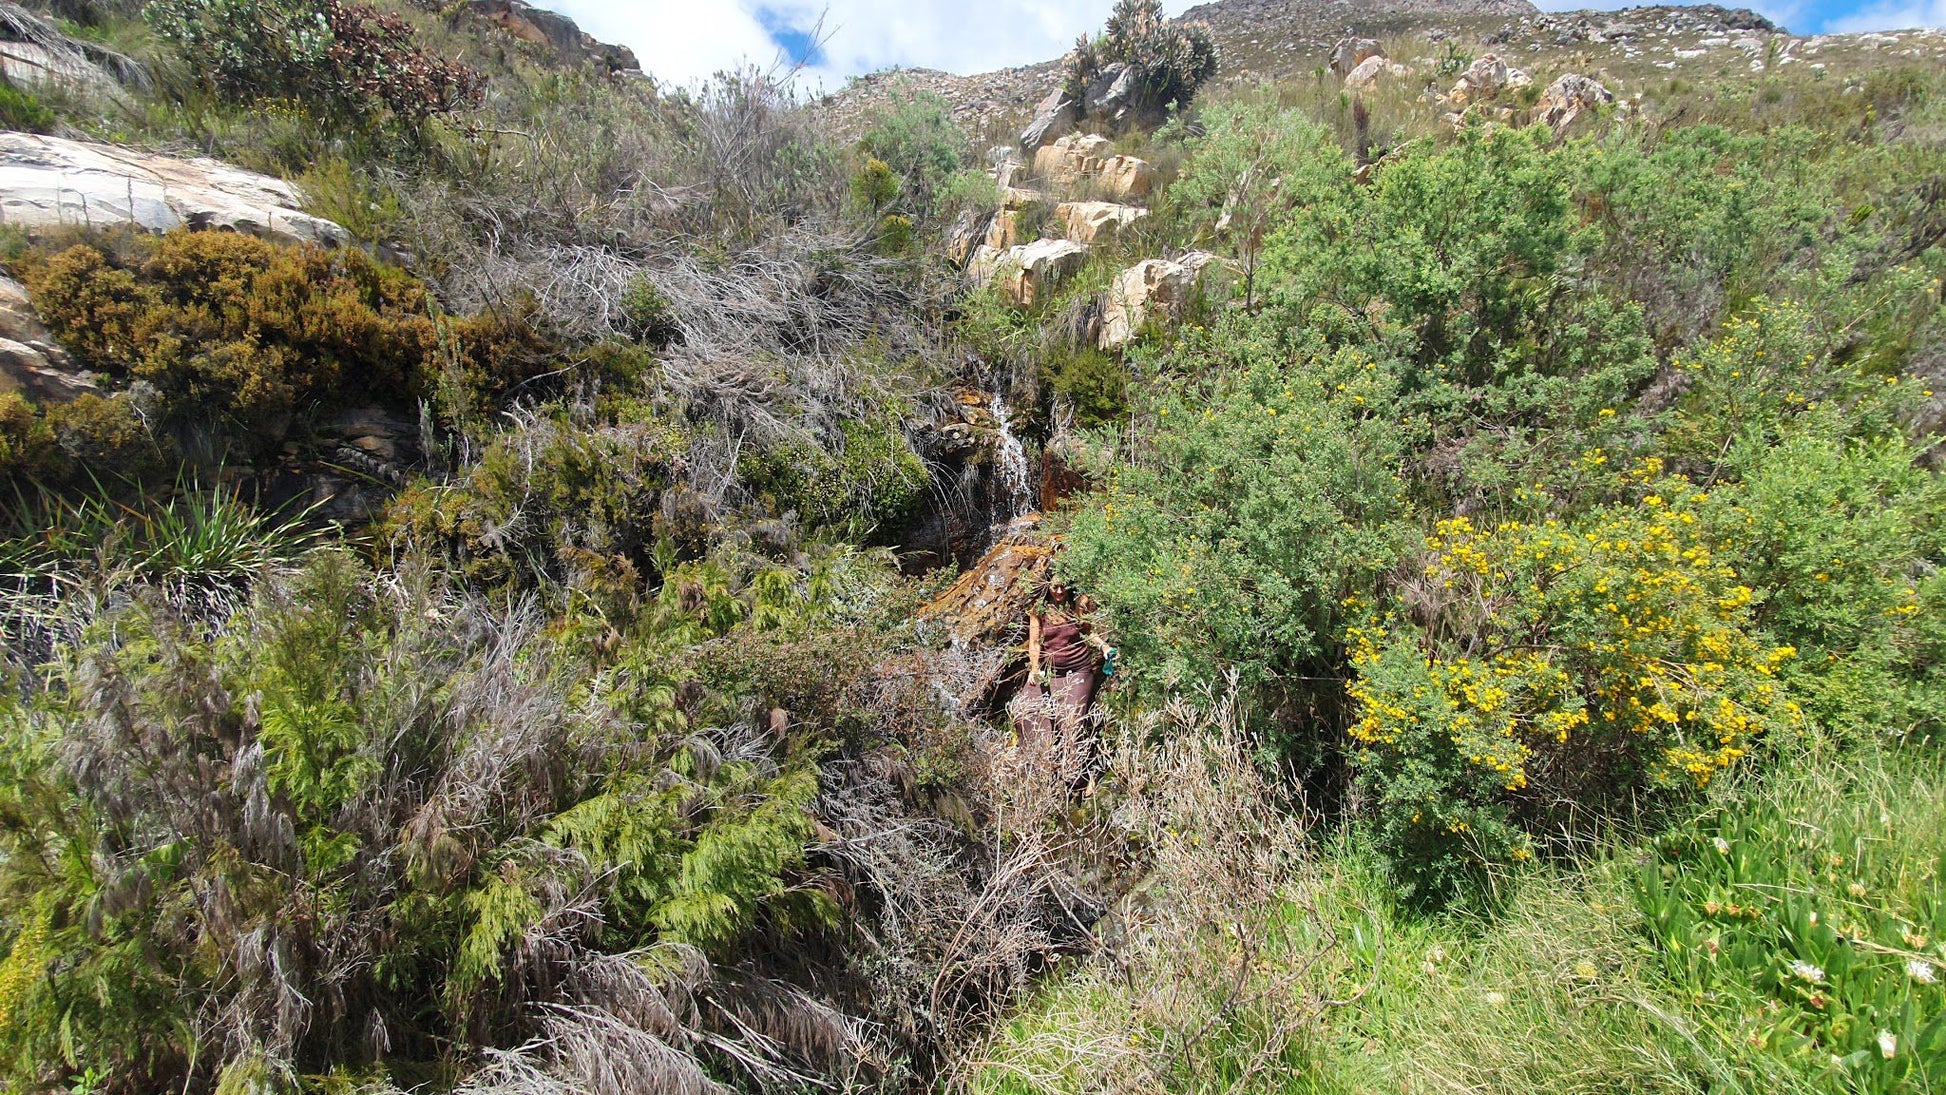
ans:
(1053, 717)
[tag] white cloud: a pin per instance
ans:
(680, 42)
(1893, 16)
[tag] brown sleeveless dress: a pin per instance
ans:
(1054, 721)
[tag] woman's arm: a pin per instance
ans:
(1033, 645)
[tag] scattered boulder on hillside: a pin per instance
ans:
(554, 33)
(1486, 78)
(1025, 272)
(1350, 53)
(1070, 162)
(32, 363)
(1053, 118)
(1367, 74)
(1568, 97)
(1126, 179)
(51, 181)
(1150, 291)
(1095, 222)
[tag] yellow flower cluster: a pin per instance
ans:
(1626, 628)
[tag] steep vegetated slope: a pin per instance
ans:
(513, 576)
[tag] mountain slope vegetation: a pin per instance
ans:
(561, 640)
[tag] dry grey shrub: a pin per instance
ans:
(1207, 962)
(476, 742)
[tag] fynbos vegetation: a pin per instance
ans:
(1367, 569)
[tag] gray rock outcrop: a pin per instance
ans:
(31, 362)
(50, 181)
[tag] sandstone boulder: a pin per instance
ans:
(1350, 53)
(1095, 222)
(1073, 160)
(1023, 274)
(1568, 97)
(1485, 78)
(1126, 178)
(1150, 291)
(48, 181)
(1004, 231)
(1366, 74)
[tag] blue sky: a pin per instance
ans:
(682, 41)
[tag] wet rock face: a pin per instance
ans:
(983, 478)
(989, 603)
(51, 181)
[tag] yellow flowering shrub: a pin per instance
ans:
(1550, 662)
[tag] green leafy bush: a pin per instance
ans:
(1262, 497)
(913, 149)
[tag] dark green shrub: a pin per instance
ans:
(337, 60)
(1261, 499)
(917, 143)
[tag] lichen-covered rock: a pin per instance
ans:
(1568, 97)
(1151, 290)
(1095, 222)
(1055, 115)
(1126, 179)
(51, 181)
(1350, 53)
(1023, 274)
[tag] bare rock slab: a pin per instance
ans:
(51, 181)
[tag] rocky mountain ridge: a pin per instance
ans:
(1630, 49)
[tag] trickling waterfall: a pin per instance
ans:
(1010, 462)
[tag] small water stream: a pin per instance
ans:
(1016, 494)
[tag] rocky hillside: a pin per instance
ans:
(1633, 50)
